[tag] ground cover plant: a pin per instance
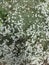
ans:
(24, 32)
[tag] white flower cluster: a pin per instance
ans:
(24, 35)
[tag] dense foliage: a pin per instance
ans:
(24, 32)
